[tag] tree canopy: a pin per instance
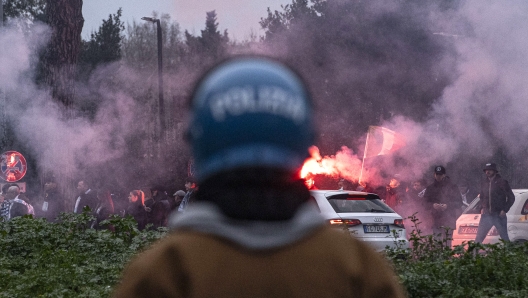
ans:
(104, 45)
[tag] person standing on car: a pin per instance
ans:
(442, 199)
(496, 199)
(252, 231)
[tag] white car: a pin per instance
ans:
(365, 216)
(467, 223)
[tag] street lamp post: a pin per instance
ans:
(160, 74)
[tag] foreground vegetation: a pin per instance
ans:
(66, 259)
(432, 269)
(69, 259)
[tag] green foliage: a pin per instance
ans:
(27, 9)
(213, 42)
(208, 48)
(296, 12)
(104, 45)
(66, 259)
(431, 268)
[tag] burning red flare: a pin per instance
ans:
(344, 164)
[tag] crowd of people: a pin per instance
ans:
(438, 205)
(149, 206)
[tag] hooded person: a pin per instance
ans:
(496, 199)
(253, 231)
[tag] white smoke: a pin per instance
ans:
(482, 109)
(58, 143)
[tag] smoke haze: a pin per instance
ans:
(105, 139)
(451, 80)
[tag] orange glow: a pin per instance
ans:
(344, 164)
(316, 165)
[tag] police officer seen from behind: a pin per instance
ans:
(253, 231)
(443, 200)
(496, 199)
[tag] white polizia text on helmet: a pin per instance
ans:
(266, 99)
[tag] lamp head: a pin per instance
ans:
(149, 19)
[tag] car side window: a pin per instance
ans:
(312, 200)
(524, 210)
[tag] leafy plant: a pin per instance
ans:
(431, 268)
(67, 259)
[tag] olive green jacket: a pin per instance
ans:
(196, 261)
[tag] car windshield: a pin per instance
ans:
(347, 203)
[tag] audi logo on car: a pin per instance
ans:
(378, 219)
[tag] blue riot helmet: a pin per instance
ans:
(250, 112)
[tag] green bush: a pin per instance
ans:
(66, 259)
(430, 268)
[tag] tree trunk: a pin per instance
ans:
(60, 60)
(59, 68)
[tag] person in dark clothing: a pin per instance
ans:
(87, 197)
(442, 199)
(394, 195)
(160, 207)
(178, 198)
(157, 212)
(496, 199)
(158, 193)
(191, 187)
(104, 208)
(414, 195)
(137, 209)
(13, 206)
(414, 202)
(53, 203)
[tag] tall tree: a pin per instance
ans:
(61, 55)
(59, 62)
(211, 46)
(213, 42)
(104, 45)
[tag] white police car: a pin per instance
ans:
(467, 223)
(364, 215)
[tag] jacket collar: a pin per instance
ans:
(205, 217)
